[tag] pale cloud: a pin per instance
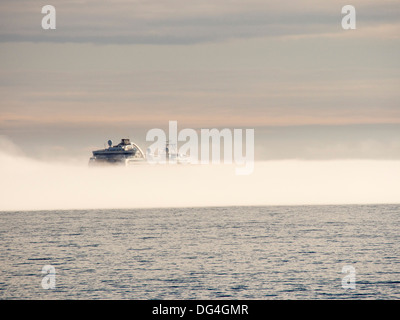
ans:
(135, 64)
(208, 97)
(188, 22)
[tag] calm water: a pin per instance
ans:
(202, 253)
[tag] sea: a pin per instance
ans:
(230, 253)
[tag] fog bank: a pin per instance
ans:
(28, 184)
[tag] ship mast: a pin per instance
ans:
(167, 151)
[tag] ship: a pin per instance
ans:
(125, 153)
(128, 153)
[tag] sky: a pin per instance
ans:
(324, 102)
(118, 68)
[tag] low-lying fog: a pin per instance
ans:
(28, 184)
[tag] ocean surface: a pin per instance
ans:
(283, 252)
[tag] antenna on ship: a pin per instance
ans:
(110, 143)
(167, 151)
